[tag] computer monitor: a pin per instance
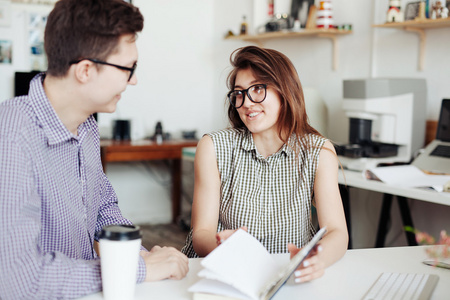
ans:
(443, 130)
(22, 82)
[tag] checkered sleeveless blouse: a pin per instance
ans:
(271, 196)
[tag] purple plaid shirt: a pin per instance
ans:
(54, 200)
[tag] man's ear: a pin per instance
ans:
(84, 70)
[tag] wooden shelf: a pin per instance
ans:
(418, 26)
(316, 32)
(289, 34)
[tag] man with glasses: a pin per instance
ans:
(54, 196)
(97, 61)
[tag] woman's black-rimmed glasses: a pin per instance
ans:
(256, 93)
(97, 61)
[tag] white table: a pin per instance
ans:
(356, 179)
(349, 178)
(347, 279)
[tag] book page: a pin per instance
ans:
(242, 262)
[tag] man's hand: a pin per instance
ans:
(311, 268)
(165, 263)
(223, 235)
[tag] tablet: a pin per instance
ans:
(276, 283)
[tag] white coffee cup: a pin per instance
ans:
(119, 256)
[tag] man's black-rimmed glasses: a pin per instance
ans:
(256, 93)
(97, 61)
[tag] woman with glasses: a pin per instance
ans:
(265, 172)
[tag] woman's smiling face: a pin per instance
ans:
(259, 118)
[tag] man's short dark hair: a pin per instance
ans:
(87, 29)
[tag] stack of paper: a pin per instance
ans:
(408, 176)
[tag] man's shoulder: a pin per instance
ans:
(15, 116)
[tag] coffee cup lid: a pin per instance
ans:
(121, 232)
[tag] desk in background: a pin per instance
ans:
(355, 179)
(145, 150)
(348, 279)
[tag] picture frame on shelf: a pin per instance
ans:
(412, 10)
(5, 52)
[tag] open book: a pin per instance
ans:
(241, 268)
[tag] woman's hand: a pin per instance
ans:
(223, 235)
(312, 267)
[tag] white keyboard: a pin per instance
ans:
(409, 286)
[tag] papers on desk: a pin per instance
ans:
(407, 176)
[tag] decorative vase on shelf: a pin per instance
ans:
(324, 15)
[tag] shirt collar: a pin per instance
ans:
(53, 127)
(248, 144)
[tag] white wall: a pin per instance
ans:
(17, 33)
(175, 86)
(176, 63)
(183, 64)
